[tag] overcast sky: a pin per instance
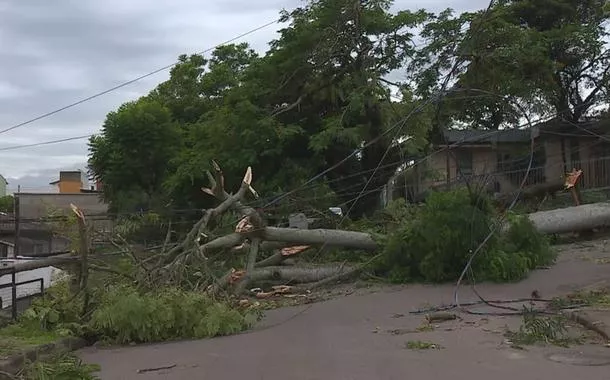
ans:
(57, 52)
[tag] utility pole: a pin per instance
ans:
(17, 217)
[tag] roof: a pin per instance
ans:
(477, 136)
(3, 179)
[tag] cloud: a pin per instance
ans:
(58, 52)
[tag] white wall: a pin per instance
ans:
(49, 275)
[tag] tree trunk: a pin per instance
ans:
(572, 219)
(347, 239)
(300, 274)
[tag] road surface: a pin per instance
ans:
(348, 339)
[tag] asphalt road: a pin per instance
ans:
(349, 338)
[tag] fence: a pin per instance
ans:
(596, 175)
(14, 298)
(20, 280)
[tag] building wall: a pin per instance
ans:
(69, 186)
(484, 161)
(37, 205)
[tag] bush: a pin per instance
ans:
(437, 242)
(56, 310)
(122, 314)
(126, 316)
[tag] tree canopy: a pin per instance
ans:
(322, 96)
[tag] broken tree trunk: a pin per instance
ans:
(341, 238)
(572, 219)
(300, 274)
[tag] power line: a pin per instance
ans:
(45, 115)
(45, 143)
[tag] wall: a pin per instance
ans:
(49, 275)
(596, 170)
(484, 161)
(37, 205)
(69, 186)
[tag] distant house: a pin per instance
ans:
(500, 159)
(3, 184)
(73, 182)
(35, 236)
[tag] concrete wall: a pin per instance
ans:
(37, 205)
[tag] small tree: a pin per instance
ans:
(7, 203)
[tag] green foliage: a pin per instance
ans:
(541, 329)
(320, 93)
(58, 311)
(60, 367)
(316, 96)
(122, 314)
(436, 242)
(549, 56)
(131, 155)
(62, 223)
(126, 316)
(7, 203)
(17, 337)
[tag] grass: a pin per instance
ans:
(422, 345)
(16, 338)
(542, 329)
(593, 298)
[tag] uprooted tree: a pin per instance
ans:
(405, 248)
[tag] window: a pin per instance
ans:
(464, 162)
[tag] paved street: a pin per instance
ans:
(347, 338)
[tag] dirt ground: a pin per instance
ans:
(370, 334)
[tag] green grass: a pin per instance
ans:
(15, 338)
(422, 345)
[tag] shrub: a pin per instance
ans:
(437, 242)
(126, 316)
(122, 314)
(55, 310)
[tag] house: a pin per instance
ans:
(3, 184)
(35, 235)
(73, 182)
(500, 159)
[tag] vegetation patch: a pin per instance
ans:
(599, 298)
(123, 314)
(434, 242)
(16, 338)
(539, 329)
(422, 345)
(59, 367)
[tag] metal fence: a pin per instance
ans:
(15, 292)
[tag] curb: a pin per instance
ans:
(13, 364)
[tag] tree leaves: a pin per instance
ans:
(321, 94)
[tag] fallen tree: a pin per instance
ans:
(572, 219)
(200, 249)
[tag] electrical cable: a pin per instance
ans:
(44, 143)
(112, 89)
